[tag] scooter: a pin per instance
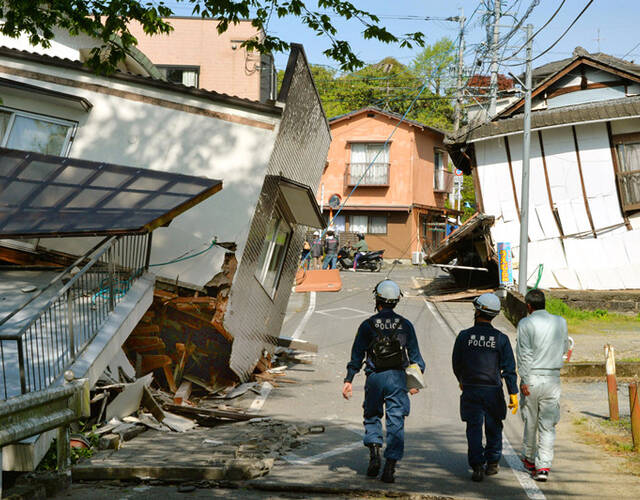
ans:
(370, 260)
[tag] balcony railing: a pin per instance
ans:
(442, 181)
(377, 175)
(59, 331)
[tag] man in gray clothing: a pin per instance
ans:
(540, 347)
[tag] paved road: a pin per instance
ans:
(435, 457)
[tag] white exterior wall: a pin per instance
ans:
(579, 261)
(141, 134)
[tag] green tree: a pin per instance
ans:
(435, 63)
(108, 21)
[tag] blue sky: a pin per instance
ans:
(617, 20)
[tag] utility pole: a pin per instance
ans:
(458, 110)
(526, 150)
(493, 85)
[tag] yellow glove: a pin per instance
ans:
(513, 404)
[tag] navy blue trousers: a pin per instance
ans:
(385, 393)
(483, 406)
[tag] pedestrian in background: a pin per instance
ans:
(541, 344)
(330, 249)
(359, 249)
(482, 357)
(316, 250)
(390, 345)
(305, 258)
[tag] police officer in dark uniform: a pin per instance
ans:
(482, 357)
(389, 342)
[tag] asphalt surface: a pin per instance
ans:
(435, 459)
(435, 465)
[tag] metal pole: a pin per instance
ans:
(72, 333)
(111, 266)
(634, 409)
(458, 110)
(612, 384)
(524, 195)
(493, 85)
(147, 258)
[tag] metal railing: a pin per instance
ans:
(377, 175)
(59, 331)
(442, 181)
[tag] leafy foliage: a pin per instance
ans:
(390, 85)
(108, 21)
(435, 64)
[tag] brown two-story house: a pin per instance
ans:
(400, 203)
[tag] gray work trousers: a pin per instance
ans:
(540, 412)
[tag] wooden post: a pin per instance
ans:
(612, 384)
(634, 408)
(63, 447)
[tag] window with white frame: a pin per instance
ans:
(186, 75)
(31, 132)
(273, 253)
(369, 224)
(372, 156)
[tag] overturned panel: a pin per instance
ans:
(51, 196)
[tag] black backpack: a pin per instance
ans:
(386, 351)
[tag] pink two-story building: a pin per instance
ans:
(400, 203)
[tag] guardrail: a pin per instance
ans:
(59, 331)
(56, 407)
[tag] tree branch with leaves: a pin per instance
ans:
(109, 20)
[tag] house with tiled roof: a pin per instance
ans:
(402, 182)
(268, 155)
(584, 205)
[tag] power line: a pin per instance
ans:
(634, 48)
(538, 31)
(560, 37)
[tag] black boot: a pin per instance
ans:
(389, 471)
(478, 473)
(374, 460)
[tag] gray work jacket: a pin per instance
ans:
(542, 342)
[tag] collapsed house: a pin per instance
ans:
(584, 209)
(68, 312)
(270, 157)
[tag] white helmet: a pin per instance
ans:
(387, 292)
(331, 229)
(487, 303)
(316, 233)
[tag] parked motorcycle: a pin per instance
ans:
(370, 260)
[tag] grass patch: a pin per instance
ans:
(577, 318)
(613, 437)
